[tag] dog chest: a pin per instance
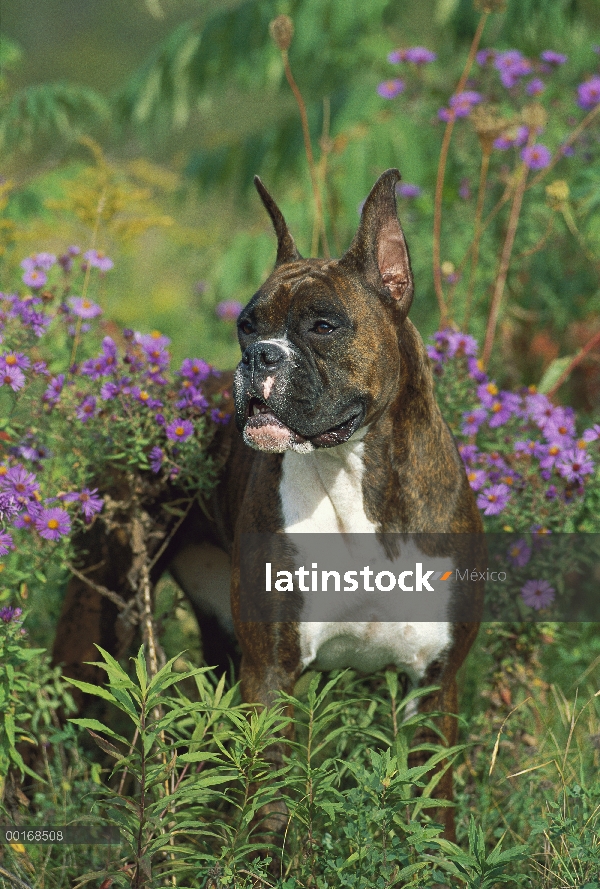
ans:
(321, 493)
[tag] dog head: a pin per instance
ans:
(319, 340)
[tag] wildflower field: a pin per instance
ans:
(130, 239)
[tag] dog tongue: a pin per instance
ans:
(268, 433)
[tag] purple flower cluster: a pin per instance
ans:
(546, 444)
(418, 55)
(116, 386)
(461, 105)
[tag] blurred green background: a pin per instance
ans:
(186, 100)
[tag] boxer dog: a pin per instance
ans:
(336, 430)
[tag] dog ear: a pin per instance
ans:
(379, 251)
(286, 248)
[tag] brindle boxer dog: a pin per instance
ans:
(338, 430)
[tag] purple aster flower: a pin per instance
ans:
(192, 398)
(419, 55)
(195, 369)
(13, 377)
(151, 342)
(472, 420)
(519, 553)
(40, 367)
(573, 465)
(469, 453)
(156, 459)
(28, 264)
(35, 279)
(529, 448)
(20, 482)
(553, 452)
(90, 502)
(179, 430)
(219, 416)
(86, 409)
(83, 308)
(53, 523)
(493, 499)
(461, 104)
(144, 397)
(592, 434)
(588, 93)
(389, 89)
(512, 65)
(15, 359)
(44, 261)
(27, 517)
(461, 344)
(8, 506)
(98, 260)
(406, 190)
(476, 371)
(397, 56)
(503, 408)
(228, 309)
(560, 426)
(8, 614)
(537, 594)
(553, 58)
(487, 392)
(551, 492)
(535, 87)
(53, 392)
(513, 139)
(484, 56)
(536, 156)
(477, 478)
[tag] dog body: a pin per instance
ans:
(338, 432)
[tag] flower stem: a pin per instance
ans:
(319, 226)
(593, 341)
(485, 163)
(439, 185)
(509, 240)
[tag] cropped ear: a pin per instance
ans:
(286, 248)
(379, 251)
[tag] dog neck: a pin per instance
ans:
(321, 492)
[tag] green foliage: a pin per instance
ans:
(17, 684)
(50, 114)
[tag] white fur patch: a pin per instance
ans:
(321, 493)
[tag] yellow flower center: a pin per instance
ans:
(53, 524)
(179, 430)
(553, 450)
(10, 360)
(492, 388)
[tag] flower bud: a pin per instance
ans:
(281, 30)
(557, 193)
(534, 116)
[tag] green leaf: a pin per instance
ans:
(553, 372)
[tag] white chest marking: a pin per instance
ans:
(321, 493)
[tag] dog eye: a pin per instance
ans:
(322, 327)
(245, 327)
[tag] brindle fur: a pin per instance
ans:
(414, 480)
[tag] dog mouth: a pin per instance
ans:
(265, 431)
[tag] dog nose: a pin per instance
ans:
(264, 355)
